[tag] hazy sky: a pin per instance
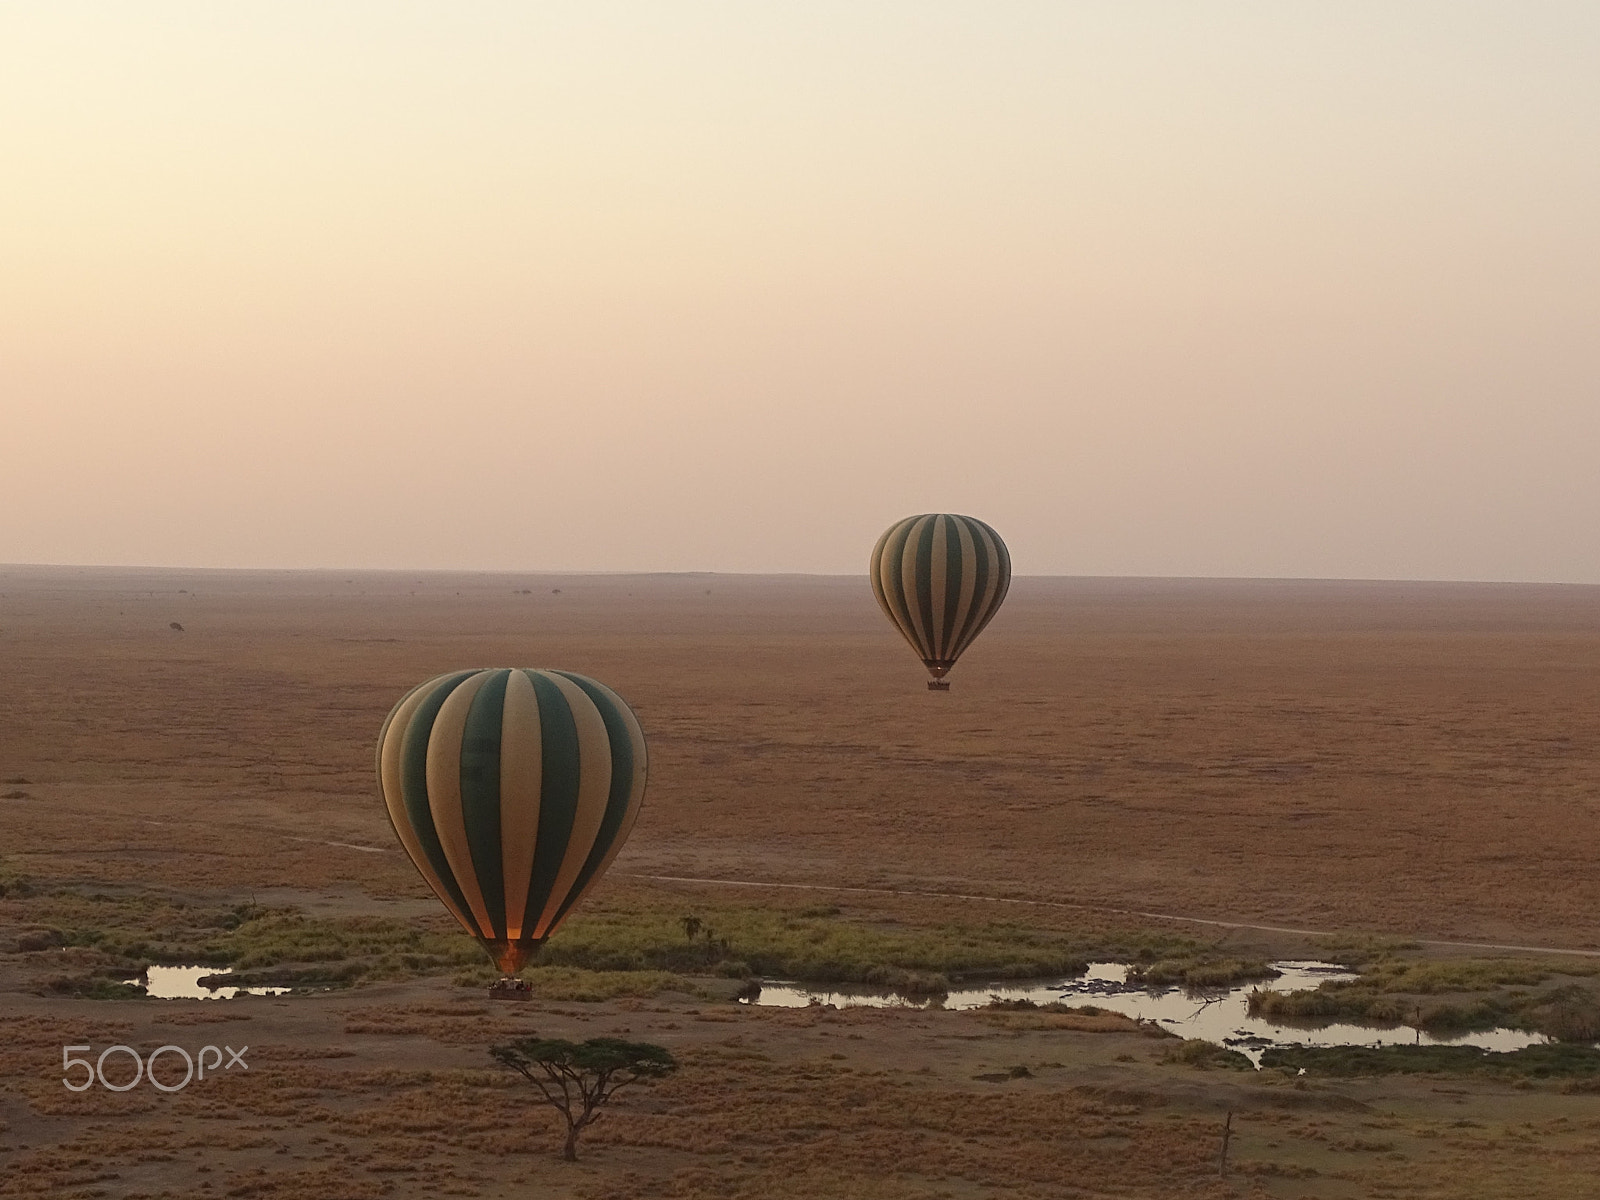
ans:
(1185, 288)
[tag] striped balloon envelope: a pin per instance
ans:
(940, 578)
(512, 791)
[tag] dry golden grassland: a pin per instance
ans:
(1383, 762)
(1373, 757)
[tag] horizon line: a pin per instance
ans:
(692, 573)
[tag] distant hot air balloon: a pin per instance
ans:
(940, 578)
(512, 791)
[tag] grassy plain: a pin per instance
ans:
(1383, 764)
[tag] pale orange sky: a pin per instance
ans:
(1187, 288)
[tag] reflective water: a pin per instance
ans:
(183, 983)
(1219, 1015)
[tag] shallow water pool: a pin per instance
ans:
(183, 983)
(1218, 1015)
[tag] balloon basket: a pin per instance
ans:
(511, 988)
(938, 685)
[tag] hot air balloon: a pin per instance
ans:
(512, 791)
(940, 578)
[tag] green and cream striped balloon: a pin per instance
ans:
(512, 791)
(940, 578)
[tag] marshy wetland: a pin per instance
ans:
(1391, 766)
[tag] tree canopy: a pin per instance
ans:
(576, 1078)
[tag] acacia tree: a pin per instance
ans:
(577, 1078)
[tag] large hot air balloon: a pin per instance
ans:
(940, 578)
(512, 791)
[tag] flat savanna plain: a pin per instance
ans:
(1403, 761)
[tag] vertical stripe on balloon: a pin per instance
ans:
(589, 806)
(444, 793)
(558, 796)
(910, 586)
(413, 772)
(969, 586)
(521, 783)
(627, 749)
(480, 794)
(390, 743)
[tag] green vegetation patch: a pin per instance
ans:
(1450, 996)
(822, 945)
(1200, 971)
(1428, 977)
(1352, 1002)
(85, 942)
(1194, 1052)
(346, 949)
(1022, 1004)
(1557, 1060)
(1570, 1013)
(627, 948)
(85, 986)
